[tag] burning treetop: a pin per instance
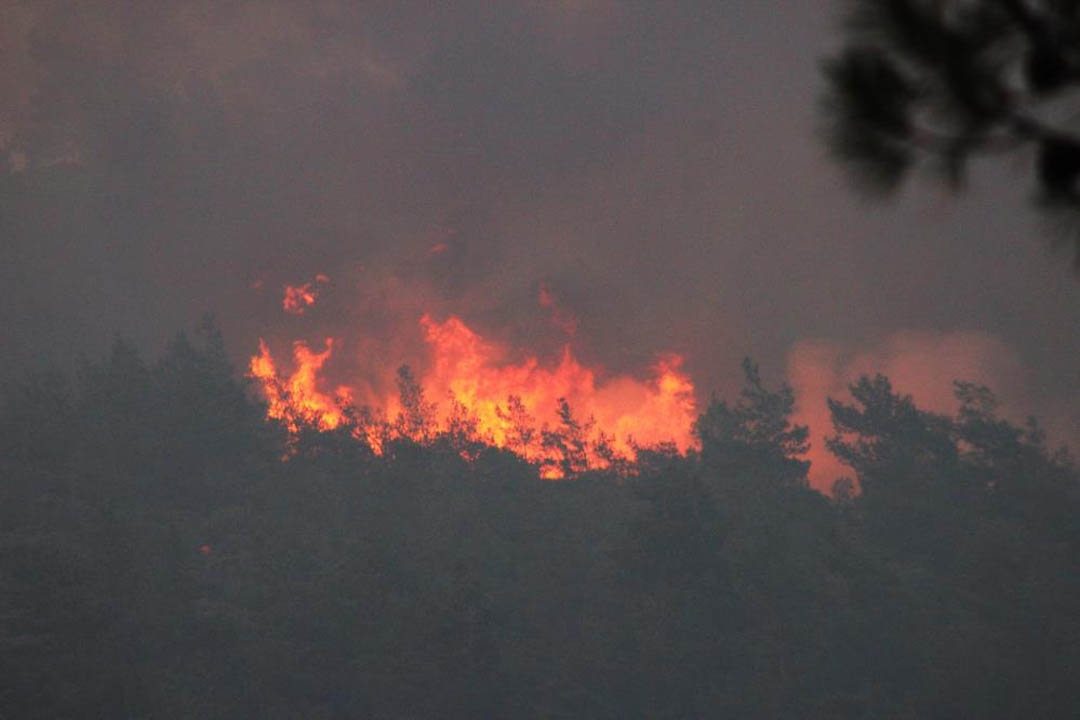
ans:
(516, 405)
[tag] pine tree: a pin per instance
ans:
(936, 83)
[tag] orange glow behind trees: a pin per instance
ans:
(470, 382)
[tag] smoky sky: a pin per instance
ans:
(655, 165)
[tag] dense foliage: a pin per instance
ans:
(160, 559)
(939, 82)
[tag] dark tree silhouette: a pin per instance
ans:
(568, 442)
(165, 552)
(522, 432)
(417, 417)
(937, 82)
(755, 434)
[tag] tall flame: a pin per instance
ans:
(297, 398)
(510, 404)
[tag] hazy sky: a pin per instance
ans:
(654, 164)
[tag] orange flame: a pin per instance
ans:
(510, 404)
(297, 399)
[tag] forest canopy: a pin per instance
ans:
(166, 551)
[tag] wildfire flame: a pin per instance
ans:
(297, 398)
(508, 404)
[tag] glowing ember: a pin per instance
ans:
(298, 298)
(516, 405)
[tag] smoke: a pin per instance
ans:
(650, 166)
(199, 147)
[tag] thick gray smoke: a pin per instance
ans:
(654, 165)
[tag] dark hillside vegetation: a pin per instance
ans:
(159, 559)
